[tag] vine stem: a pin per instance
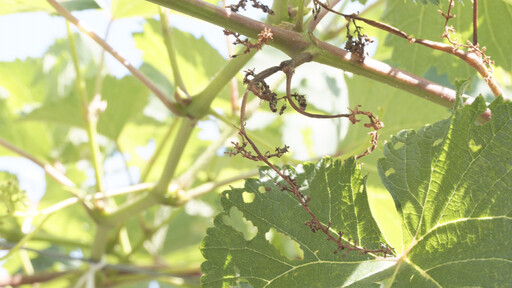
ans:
(473, 59)
(97, 196)
(211, 186)
(158, 151)
(300, 17)
(198, 108)
(48, 169)
(233, 83)
(293, 43)
(280, 9)
(475, 22)
(146, 81)
(312, 25)
(90, 111)
(100, 241)
(179, 144)
(26, 238)
(17, 280)
(180, 93)
(186, 179)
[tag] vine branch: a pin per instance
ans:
(293, 43)
(90, 113)
(474, 57)
(181, 93)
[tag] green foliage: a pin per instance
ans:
(424, 21)
(449, 210)
(442, 199)
(453, 219)
(338, 195)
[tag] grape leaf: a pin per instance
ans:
(126, 98)
(454, 221)
(20, 90)
(451, 183)
(338, 194)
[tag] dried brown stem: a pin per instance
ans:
(475, 57)
(320, 15)
(258, 86)
(263, 39)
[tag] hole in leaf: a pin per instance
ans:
(263, 189)
(473, 146)
(437, 142)
(398, 145)
(286, 246)
(390, 171)
(248, 197)
(237, 220)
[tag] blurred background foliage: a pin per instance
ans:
(40, 113)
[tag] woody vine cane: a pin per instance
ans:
(475, 56)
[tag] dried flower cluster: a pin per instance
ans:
(264, 38)
(357, 41)
(256, 4)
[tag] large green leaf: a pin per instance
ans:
(451, 182)
(126, 98)
(424, 21)
(397, 110)
(57, 98)
(456, 220)
(338, 195)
